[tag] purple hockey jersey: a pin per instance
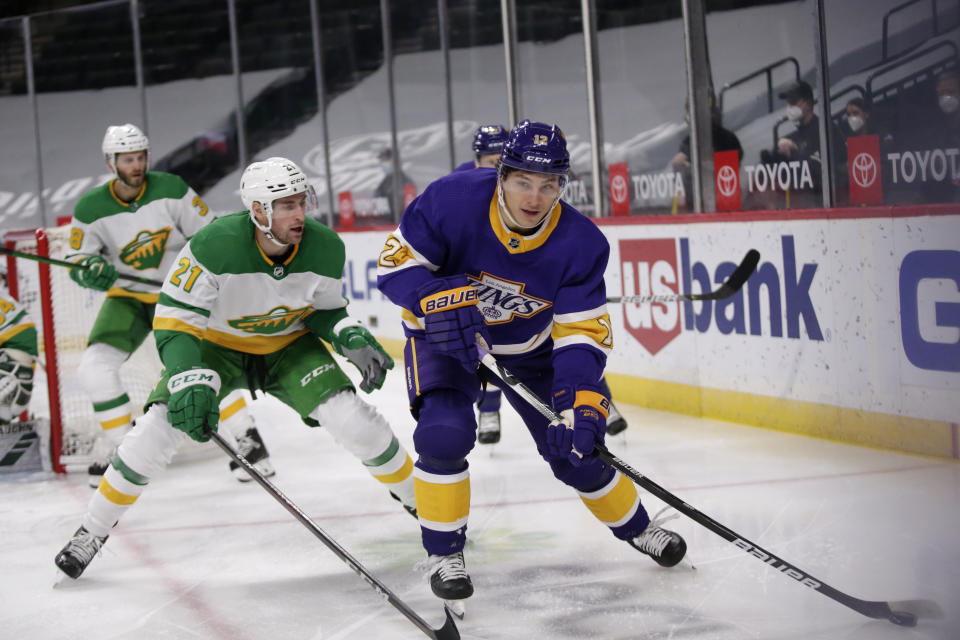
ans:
(537, 293)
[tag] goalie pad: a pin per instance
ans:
(16, 383)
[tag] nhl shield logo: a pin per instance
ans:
(278, 271)
(514, 242)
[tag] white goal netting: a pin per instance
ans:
(68, 313)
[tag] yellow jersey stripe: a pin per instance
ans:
(397, 476)
(172, 324)
(114, 496)
(615, 504)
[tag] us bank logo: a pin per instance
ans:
(777, 302)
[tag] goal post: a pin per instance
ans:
(64, 313)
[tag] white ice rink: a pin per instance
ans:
(201, 556)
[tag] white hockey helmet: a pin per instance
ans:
(124, 138)
(270, 180)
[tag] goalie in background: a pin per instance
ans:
(214, 336)
(135, 224)
(18, 355)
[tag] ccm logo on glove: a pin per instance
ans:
(449, 299)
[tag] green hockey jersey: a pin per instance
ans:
(142, 237)
(225, 289)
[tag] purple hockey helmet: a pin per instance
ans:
(489, 139)
(535, 146)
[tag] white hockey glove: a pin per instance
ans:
(16, 383)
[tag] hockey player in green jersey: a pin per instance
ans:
(246, 303)
(18, 353)
(134, 225)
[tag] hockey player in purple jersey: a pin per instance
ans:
(521, 273)
(487, 145)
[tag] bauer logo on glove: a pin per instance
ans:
(450, 299)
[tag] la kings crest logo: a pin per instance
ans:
(146, 250)
(500, 300)
(273, 321)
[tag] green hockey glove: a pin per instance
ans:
(357, 345)
(99, 274)
(193, 406)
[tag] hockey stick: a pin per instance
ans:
(74, 265)
(727, 289)
(903, 613)
(447, 632)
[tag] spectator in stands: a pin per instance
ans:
(857, 121)
(723, 140)
(803, 143)
(385, 188)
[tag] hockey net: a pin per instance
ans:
(64, 313)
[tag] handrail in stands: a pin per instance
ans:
(767, 70)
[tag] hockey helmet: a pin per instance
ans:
(489, 139)
(538, 147)
(124, 138)
(269, 180)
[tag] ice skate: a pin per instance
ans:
(450, 581)
(616, 423)
(488, 429)
(251, 447)
(78, 553)
(666, 547)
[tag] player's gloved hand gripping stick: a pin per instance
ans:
(355, 343)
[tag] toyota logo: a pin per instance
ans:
(864, 170)
(618, 189)
(727, 181)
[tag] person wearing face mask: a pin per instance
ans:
(803, 143)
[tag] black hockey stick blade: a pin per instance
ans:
(903, 613)
(447, 632)
(733, 284)
(73, 265)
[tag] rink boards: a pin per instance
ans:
(849, 329)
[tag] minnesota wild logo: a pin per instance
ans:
(147, 249)
(273, 321)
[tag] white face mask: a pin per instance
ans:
(949, 104)
(855, 122)
(794, 113)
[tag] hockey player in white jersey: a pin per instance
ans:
(247, 302)
(134, 225)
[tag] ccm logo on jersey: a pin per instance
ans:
(450, 299)
(316, 373)
(773, 560)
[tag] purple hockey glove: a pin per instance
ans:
(451, 319)
(581, 426)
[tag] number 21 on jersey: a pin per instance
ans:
(177, 279)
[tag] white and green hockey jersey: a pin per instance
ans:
(224, 289)
(140, 238)
(17, 330)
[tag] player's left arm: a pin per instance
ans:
(582, 338)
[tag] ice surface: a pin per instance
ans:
(202, 556)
